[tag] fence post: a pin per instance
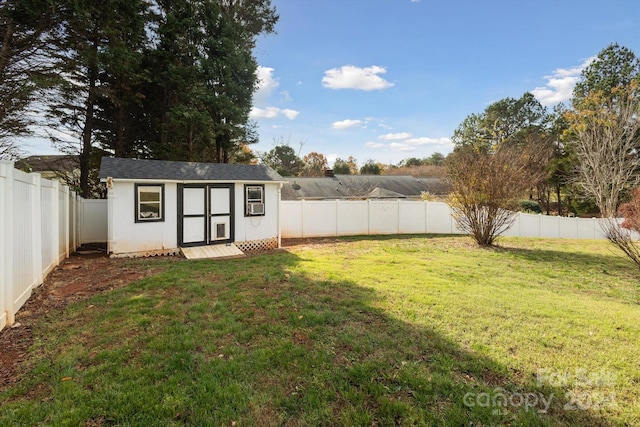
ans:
(337, 218)
(73, 221)
(36, 235)
(67, 229)
(7, 312)
(55, 213)
(302, 219)
(368, 217)
(426, 216)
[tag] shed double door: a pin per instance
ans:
(205, 214)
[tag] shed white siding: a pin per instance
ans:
(250, 228)
(127, 236)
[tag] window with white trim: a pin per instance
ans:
(149, 202)
(254, 200)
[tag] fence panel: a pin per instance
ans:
(62, 222)
(383, 217)
(529, 225)
(319, 218)
(311, 218)
(291, 219)
(6, 189)
(412, 217)
(549, 226)
(354, 217)
(94, 221)
(48, 193)
(25, 191)
(38, 221)
(439, 219)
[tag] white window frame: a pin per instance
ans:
(248, 201)
(149, 188)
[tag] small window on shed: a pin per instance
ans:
(254, 200)
(149, 202)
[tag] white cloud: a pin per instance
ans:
(272, 113)
(560, 84)
(351, 77)
(266, 85)
(346, 124)
(428, 141)
(404, 142)
(374, 145)
(290, 114)
(399, 146)
(395, 136)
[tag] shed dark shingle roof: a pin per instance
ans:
(117, 168)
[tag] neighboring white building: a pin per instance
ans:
(157, 207)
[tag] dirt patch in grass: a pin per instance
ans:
(311, 242)
(75, 279)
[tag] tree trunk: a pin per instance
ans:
(87, 131)
(559, 200)
(6, 46)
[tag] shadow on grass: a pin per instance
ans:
(251, 342)
(606, 261)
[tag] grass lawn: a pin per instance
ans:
(417, 330)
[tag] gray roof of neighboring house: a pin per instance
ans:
(49, 163)
(118, 168)
(359, 187)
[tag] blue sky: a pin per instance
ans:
(392, 79)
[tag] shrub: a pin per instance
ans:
(530, 206)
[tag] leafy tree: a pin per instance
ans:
(605, 133)
(370, 168)
(615, 66)
(436, 159)
(345, 167)
(561, 163)
(24, 27)
(314, 164)
(341, 167)
(604, 126)
(522, 122)
(411, 161)
(122, 76)
(205, 76)
(284, 160)
(79, 56)
(509, 120)
(244, 155)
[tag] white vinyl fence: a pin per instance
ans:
(326, 218)
(41, 223)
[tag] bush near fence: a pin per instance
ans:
(41, 223)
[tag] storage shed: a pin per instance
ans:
(158, 207)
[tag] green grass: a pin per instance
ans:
(417, 330)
